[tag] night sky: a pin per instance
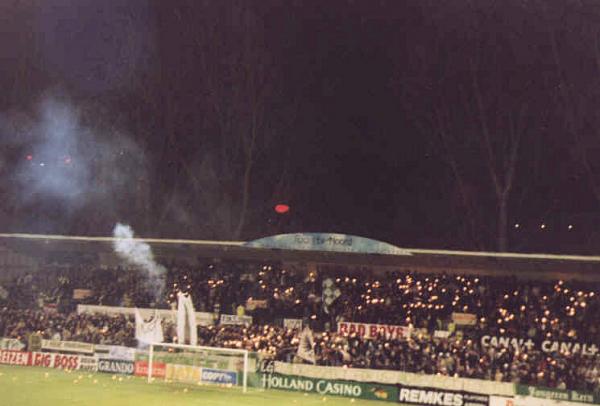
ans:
(461, 124)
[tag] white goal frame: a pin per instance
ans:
(244, 353)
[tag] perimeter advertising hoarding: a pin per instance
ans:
(114, 366)
(421, 396)
(502, 401)
(219, 376)
(10, 357)
(183, 373)
(141, 369)
(351, 389)
(63, 361)
(559, 395)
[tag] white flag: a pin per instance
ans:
(150, 331)
(329, 293)
(185, 311)
(306, 345)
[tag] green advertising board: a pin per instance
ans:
(327, 387)
(557, 394)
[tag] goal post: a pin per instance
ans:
(199, 364)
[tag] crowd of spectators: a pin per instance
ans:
(564, 311)
(89, 328)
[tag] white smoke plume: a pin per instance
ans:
(140, 254)
(61, 160)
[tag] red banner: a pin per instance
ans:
(52, 360)
(14, 357)
(159, 369)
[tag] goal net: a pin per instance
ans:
(198, 365)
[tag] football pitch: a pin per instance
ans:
(50, 387)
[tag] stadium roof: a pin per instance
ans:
(425, 260)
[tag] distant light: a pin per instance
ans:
(282, 208)
(29, 157)
(543, 226)
(517, 225)
(67, 160)
(42, 164)
(570, 226)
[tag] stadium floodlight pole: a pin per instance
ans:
(201, 347)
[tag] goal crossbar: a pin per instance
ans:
(244, 353)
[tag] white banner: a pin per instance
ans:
(441, 334)
(395, 377)
(11, 344)
(291, 324)
(501, 401)
(548, 346)
(116, 352)
(306, 350)
(202, 318)
(185, 312)
(373, 331)
(235, 320)
(148, 331)
(531, 401)
(88, 363)
(67, 346)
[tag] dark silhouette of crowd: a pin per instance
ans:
(555, 311)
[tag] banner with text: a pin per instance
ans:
(464, 319)
(547, 346)
(502, 401)
(416, 395)
(373, 331)
(140, 368)
(202, 318)
(9, 357)
(396, 377)
(183, 373)
(63, 361)
(235, 320)
(358, 390)
(219, 376)
(113, 366)
(117, 352)
(253, 304)
(80, 294)
(556, 394)
(67, 346)
(327, 242)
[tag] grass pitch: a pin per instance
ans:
(49, 387)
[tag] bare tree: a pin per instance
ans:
(575, 45)
(232, 115)
(482, 119)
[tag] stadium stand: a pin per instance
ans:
(535, 332)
